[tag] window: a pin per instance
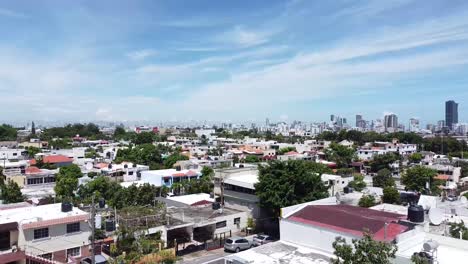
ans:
(237, 221)
(32, 181)
(41, 233)
(49, 179)
(221, 224)
(73, 228)
(130, 173)
(15, 154)
(47, 256)
(4, 240)
(73, 252)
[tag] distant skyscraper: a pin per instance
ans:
(414, 125)
(358, 120)
(451, 113)
(440, 125)
(332, 118)
(267, 122)
(391, 123)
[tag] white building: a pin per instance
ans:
(44, 231)
(11, 154)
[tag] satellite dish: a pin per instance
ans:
(89, 166)
(463, 199)
(436, 216)
(425, 204)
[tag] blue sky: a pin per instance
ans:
(232, 60)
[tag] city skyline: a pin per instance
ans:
(285, 60)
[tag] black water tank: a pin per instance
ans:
(102, 203)
(416, 213)
(67, 207)
(216, 206)
(347, 189)
(125, 166)
(110, 225)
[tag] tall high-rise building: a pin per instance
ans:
(391, 123)
(414, 125)
(332, 118)
(358, 120)
(267, 122)
(451, 113)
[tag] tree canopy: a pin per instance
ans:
(170, 160)
(363, 251)
(341, 155)
(383, 161)
(10, 192)
(7, 132)
(415, 179)
(391, 195)
(358, 183)
(367, 201)
(89, 130)
(145, 154)
(67, 181)
(285, 150)
(383, 178)
(290, 182)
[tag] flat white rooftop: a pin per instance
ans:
(192, 198)
(27, 215)
(280, 252)
(247, 180)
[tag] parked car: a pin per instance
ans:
(237, 244)
(261, 240)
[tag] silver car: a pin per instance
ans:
(261, 240)
(237, 244)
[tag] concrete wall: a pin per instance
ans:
(230, 226)
(310, 236)
(58, 239)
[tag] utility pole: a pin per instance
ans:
(93, 229)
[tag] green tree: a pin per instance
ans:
(145, 154)
(67, 181)
(358, 183)
(172, 159)
(285, 150)
(415, 179)
(32, 151)
(251, 159)
(11, 193)
(339, 154)
(457, 228)
(7, 133)
(143, 138)
(288, 183)
(207, 172)
(391, 195)
(367, 201)
(119, 133)
(383, 161)
(383, 178)
(415, 157)
(363, 251)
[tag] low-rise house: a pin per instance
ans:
(56, 160)
(165, 177)
(368, 151)
(53, 233)
(11, 154)
(12, 168)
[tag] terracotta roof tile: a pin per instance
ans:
(53, 159)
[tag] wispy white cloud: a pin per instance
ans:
(242, 37)
(367, 8)
(11, 13)
(141, 54)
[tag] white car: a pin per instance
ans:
(261, 240)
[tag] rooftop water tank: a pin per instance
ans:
(416, 213)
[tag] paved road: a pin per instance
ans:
(202, 257)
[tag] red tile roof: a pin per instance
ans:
(191, 173)
(291, 153)
(53, 159)
(442, 177)
(351, 219)
(178, 174)
(33, 170)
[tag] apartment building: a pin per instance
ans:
(54, 233)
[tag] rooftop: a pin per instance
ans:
(192, 199)
(30, 217)
(280, 252)
(351, 219)
(53, 159)
(247, 180)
